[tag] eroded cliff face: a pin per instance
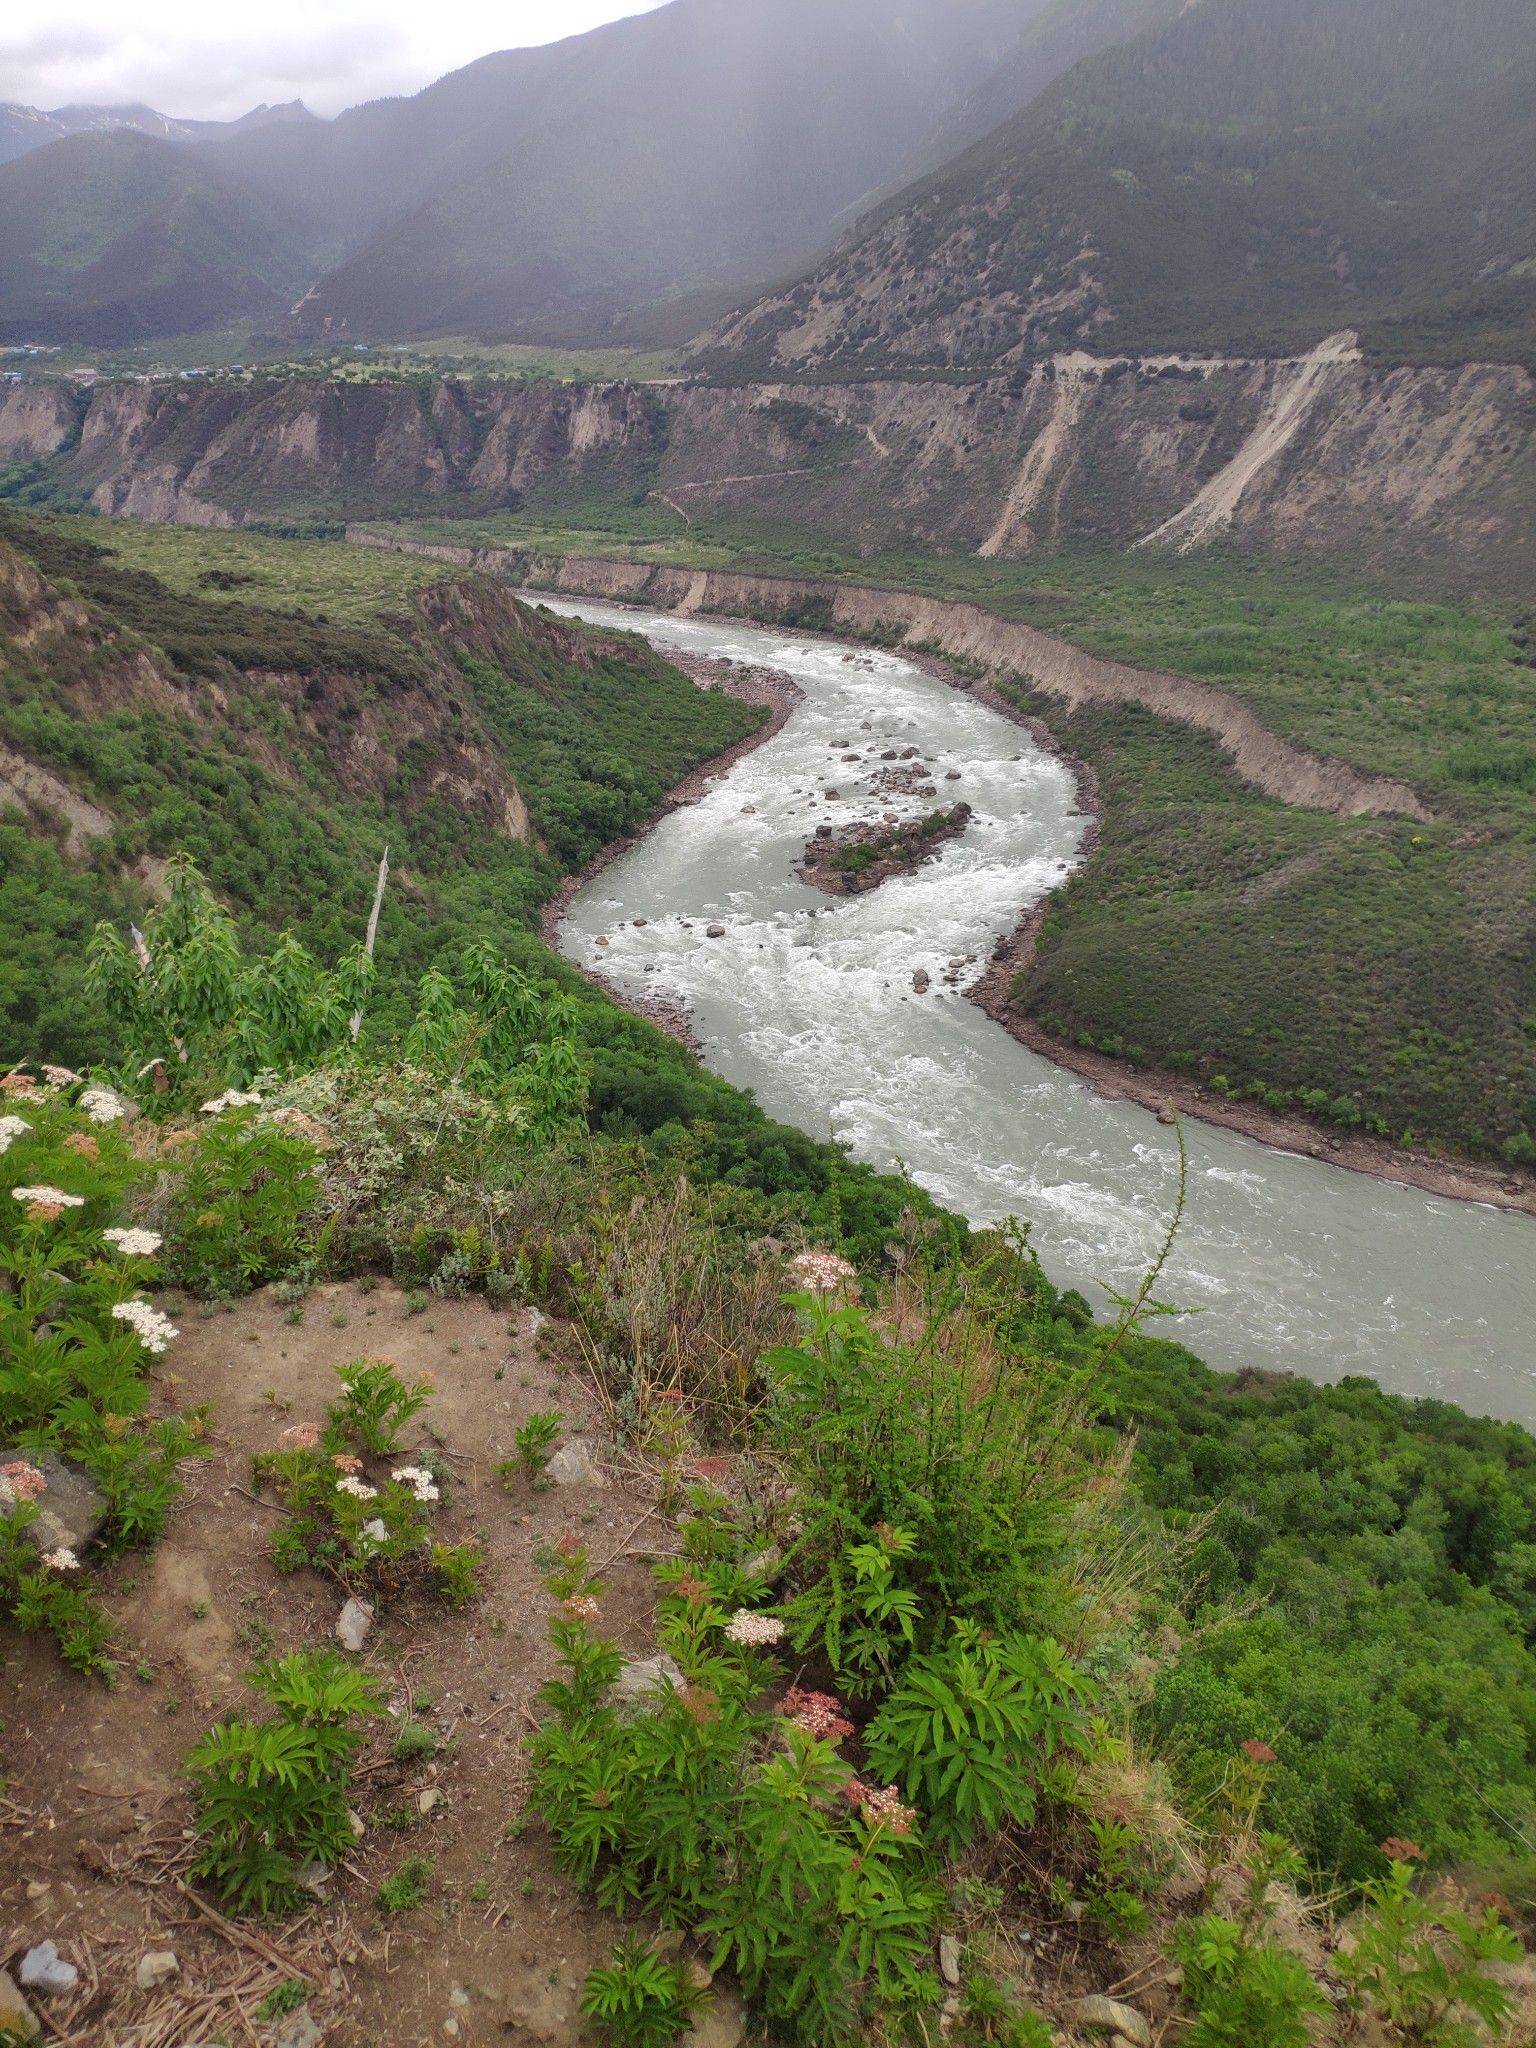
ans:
(1428, 474)
(408, 735)
(1002, 647)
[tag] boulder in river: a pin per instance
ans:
(920, 981)
(714, 931)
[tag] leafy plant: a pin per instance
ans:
(1245, 1993)
(459, 1567)
(969, 1730)
(182, 995)
(536, 1439)
(637, 1999)
(406, 1890)
(413, 1743)
(282, 1999)
(238, 1216)
(273, 1795)
(1419, 1965)
(377, 1403)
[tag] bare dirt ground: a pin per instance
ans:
(95, 1813)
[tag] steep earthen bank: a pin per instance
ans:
(1424, 476)
(960, 632)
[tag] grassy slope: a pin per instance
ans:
(1404, 1523)
(291, 847)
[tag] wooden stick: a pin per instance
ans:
(256, 1943)
(272, 1507)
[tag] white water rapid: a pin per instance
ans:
(808, 1000)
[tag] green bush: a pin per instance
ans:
(639, 2001)
(272, 1796)
(970, 1729)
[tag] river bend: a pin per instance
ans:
(1283, 1261)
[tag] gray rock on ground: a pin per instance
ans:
(1108, 2016)
(72, 1508)
(16, 2016)
(354, 1624)
(158, 1967)
(44, 1969)
(574, 1464)
(646, 1678)
(722, 2026)
(299, 2030)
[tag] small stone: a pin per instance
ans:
(314, 1877)
(949, 1958)
(722, 2026)
(646, 1678)
(354, 1624)
(428, 1802)
(823, 831)
(44, 1969)
(459, 1998)
(574, 1464)
(952, 775)
(38, 1889)
(16, 2016)
(70, 1509)
(832, 793)
(1166, 1116)
(1108, 2016)
(299, 2031)
(357, 1824)
(637, 922)
(714, 931)
(451, 2028)
(155, 1969)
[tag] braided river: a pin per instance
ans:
(1282, 1262)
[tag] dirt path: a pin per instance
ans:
(93, 1815)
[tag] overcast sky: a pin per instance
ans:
(212, 59)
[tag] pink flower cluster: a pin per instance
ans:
(821, 1272)
(302, 1437)
(582, 1607)
(817, 1714)
(880, 1809)
(23, 1481)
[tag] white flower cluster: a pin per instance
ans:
(11, 1128)
(55, 1198)
(358, 1488)
(61, 1077)
(153, 1330)
(752, 1630)
(821, 1272)
(63, 1559)
(230, 1099)
(103, 1105)
(134, 1244)
(418, 1477)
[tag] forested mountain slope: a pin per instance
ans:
(1248, 178)
(112, 237)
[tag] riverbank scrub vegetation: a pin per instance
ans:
(974, 1617)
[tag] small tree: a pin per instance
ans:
(182, 993)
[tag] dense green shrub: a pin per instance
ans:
(273, 1795)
